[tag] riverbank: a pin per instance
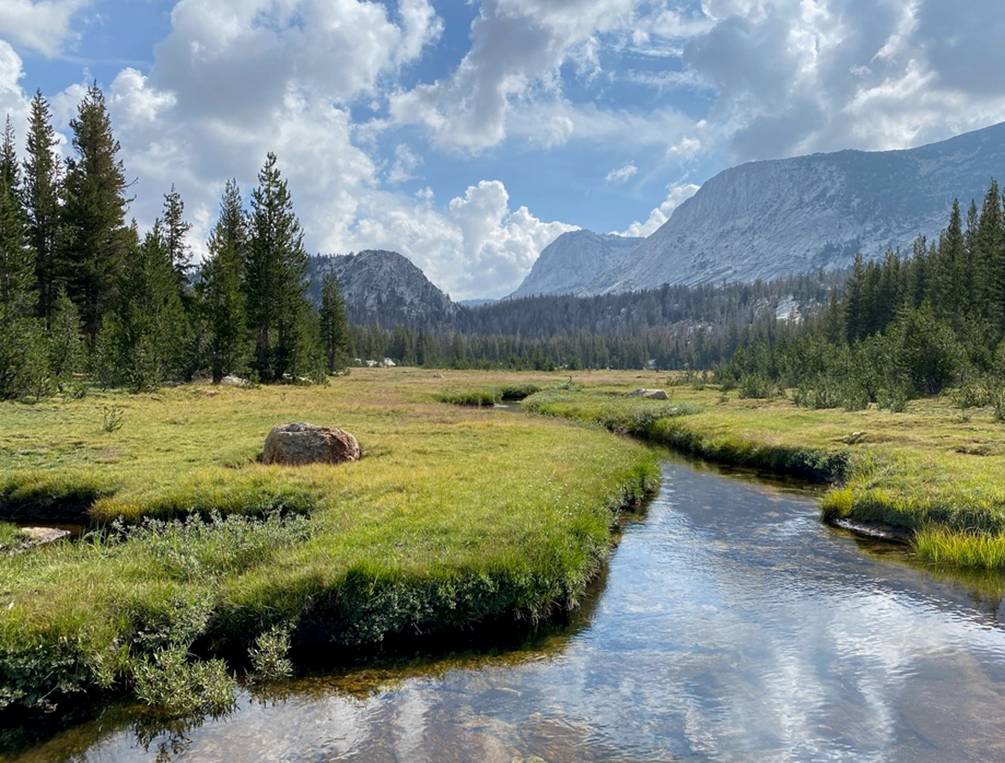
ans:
(928, 473)
(454, 518)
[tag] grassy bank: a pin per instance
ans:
(929, 470)
(454, 517)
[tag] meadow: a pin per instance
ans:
(202, 561)
(932, 472)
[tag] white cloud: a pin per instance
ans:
(795, 77)
(12, 98)
(622, 174)
(405, 163)
(477, 248)
(41, 25)
(517, 45)
(678, 195)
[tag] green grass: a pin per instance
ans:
(10, 537)
(454, 517)
(925, 469)
(486, 397)
(942, 546)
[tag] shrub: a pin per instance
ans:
(270, 654)
(756, 386)
(178, 687)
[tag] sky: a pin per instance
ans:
(468, 134)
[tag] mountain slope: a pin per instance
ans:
(382, 288)
(775, 218)
(577, 262)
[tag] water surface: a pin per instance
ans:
(731, 625)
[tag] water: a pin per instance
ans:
(731, 625)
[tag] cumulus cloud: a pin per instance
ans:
(12, 97)
(41, 25)
(794, 77)
(478, 247)
(678, 195)
(516, 45)
(622, 174)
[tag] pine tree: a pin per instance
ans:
(66, 350)
(41, 197)
(23, 369)
(95, 241)
(334, 326)
(949, 279)
(175, 230)
(145, 340)
(222, 295)
(854, 302)
(280, 318)
(10, 173)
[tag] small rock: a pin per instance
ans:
(650, 394)
(42, 536)
(297, 444)
(854, 438)
(230, 380)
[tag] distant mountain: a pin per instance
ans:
(577, 262)
(382, 288)
(780, 217)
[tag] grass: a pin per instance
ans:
(10, 537)
(454, 518)
(486, 397)
(928, 470)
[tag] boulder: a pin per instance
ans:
(650, 394)
(230, 380)
(297, 444)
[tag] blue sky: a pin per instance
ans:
(468, 135)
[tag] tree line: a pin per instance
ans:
(672, 327)
(903, 327)
(82, 293)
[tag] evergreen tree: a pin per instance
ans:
(41, 198)
(23, 370)
(854, 303)
(96, 240)
(175, 229)
(66, 349)
(222, 278)
(280, 318)
(10, 173)
(335, 326)
(145, 340)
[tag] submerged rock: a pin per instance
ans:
(650, 394)
(296, 444)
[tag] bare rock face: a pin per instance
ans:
(298, 444)
(650, 394)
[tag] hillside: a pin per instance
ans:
(775, 218)
(578, 262)
(382, 288)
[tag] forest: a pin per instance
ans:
(671, 327)
(83, 295)
(902, 328)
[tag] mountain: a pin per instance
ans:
(773, 218)
(577, 262)
(382, 288)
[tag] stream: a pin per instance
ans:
(731, 625)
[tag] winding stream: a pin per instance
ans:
(732, 625)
